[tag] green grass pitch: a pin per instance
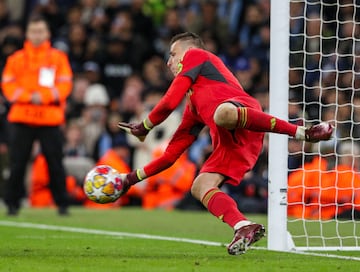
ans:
(40, 240)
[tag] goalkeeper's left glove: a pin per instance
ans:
(138, 130)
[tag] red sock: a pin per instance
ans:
(222, 206)
(260, 121)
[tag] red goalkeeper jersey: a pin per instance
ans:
(206, 82)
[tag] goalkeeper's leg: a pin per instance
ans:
(232, 115)
(206, 189)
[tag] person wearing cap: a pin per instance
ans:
(94, 115)
(36, 81)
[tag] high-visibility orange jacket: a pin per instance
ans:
(315, 192)
(303, 188)
(340, 191)
(39, 192)
(111, 158)
(165, 189)
(40, 69)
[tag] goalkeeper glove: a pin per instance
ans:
(138, 130)
(129, 180)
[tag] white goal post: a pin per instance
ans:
(317, 42)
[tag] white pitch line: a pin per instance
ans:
(328, 255)
(104, 232)
(153, 237)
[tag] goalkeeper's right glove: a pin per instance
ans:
(129, 180)
(138, 130)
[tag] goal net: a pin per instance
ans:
(316, 200)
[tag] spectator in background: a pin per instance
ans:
(322, 190)
(249, 33)
(243, 73)
(88, 9)
(76, 43)
(355, 116)
(117, 65)
(13, 30)
(94, 115)
(143, 23)
(208, 20)
(75, 103)
(155, 74)
(4, 14)
(98, 23)
(92, 72)
(77, 160)
(122, 27)
(339, 193)
(36, 81)
(72, 17)
(261, 49)
(171, 26)
(94, 50)
(129, 104)
(155, 9)
(232, 54)
(303, 187)
(109, 136)
(166, 189)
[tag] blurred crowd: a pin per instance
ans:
(118, 51)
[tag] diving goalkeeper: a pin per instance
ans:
(237, 125)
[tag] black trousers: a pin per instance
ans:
(21, 141)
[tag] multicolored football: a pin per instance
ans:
(103, 184)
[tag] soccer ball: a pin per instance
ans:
(103, 184)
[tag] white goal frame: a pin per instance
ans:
(279, 238)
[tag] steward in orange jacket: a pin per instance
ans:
(44, 70)
(36, 81)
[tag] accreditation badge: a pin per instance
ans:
(47, 77)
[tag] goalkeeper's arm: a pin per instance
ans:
(172, 153)
(183, 138)
(162, 110)
(178, 144)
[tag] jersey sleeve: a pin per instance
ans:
(11, 87)
(170, 100)
(184, 136)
